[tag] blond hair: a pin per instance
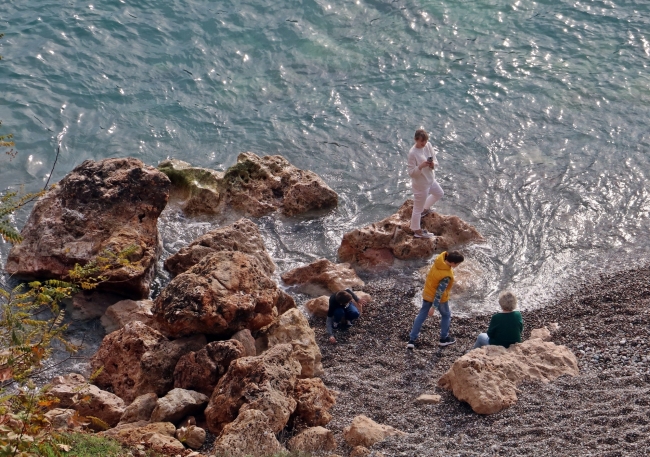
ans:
(507, 300)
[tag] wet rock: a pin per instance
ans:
(191, 436)
(201, 370)
(323, 276)
(393, 234)
(365, 432)
(242, 236)
(314, 401)
(177, 404)
(125, 311)
(140, 409)
(312, 440)
(222, 294)
(265, 383)
(74, 392)
(111, 204)
(246, 339)
(249, 435)
(138, 359)
(293, 327)
(200, 188)
(426, 399)
(261, 185)
(487, 377)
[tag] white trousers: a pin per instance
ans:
(424, 200)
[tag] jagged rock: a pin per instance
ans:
(487, 377)
(365, 432)
(125, 311)
(265, 383)
(201, 370)
(313, 439)
(242, 236)
(246, 339)
(323, 276)
(200, 188)
(249, 435)
(192, 436)
(222, 294)
(360, 451)
(140, 409)
(159, 435)
(89, 304)
(260, 185)
(63, 419)
(393, 235)
(72, 388)
(427, 399)
(293, 327)
(110, 204)
(542, 333)
(138, 359)
(177, 404)
(314, 400)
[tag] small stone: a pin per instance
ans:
(427, 399)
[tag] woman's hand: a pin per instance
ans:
(423, 165)
(431, 311)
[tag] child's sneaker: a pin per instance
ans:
(446, 341)
(410, 345)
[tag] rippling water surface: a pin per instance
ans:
(540, 110)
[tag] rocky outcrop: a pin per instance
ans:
(137, 359)
(265, 383)
(222, 294)
(74, 392)
(242, 236)
(322, 276)
(314, 401)
(159, 436)
(249, 435)
(293, 327)
(487, 377)
(107, 205)
(261, 185)
(125, 311)
(379, 243)
(201, 370)
(365, 432)
(140, 409)
(199, 188)
(177, 404)
(312, 439)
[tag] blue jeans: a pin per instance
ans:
(445, 321)
(351, 313)
(482, 340)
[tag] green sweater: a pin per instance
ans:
(506, 328)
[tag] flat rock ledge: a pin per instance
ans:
(380, 243)
(487, 377)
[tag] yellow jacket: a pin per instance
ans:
(438, 271)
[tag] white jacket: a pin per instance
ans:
(421, 180)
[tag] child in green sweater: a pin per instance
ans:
(505, 327)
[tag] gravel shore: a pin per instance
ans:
(605, 411)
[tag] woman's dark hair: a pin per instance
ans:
(454, 257)
(343, 298)
(421, 134)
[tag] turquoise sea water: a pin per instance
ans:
(540, 111)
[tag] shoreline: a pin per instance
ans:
(605, 410)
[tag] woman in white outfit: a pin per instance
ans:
(426, 190)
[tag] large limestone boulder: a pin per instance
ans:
(314, 401)
(265, 383)
(158, 435)
(378, 243)
(365, 432)
(111, 204)
(177, 404)
(140, 409)
(293, 327)
(322, 276)
(312, 439)
(74, 392)
(242, 236)
(199, 188)
(125, 311)
(249, 435)
(201, 370)
(260, 185)
(487, 377)
(137, 359)
(222, 294)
